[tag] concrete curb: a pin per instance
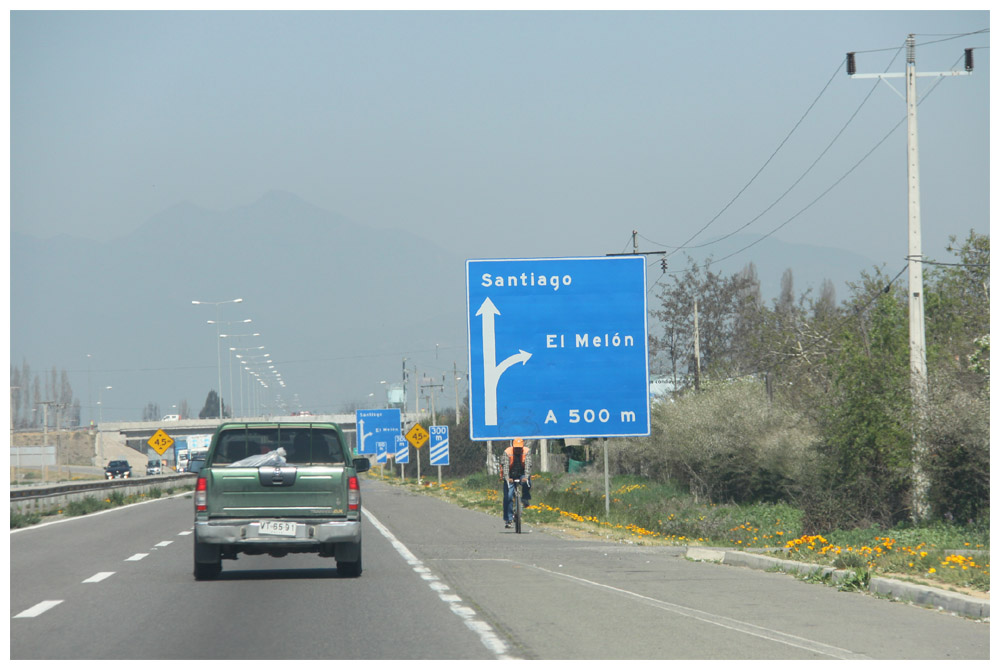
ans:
(930, 596)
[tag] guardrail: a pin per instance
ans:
(45, 498)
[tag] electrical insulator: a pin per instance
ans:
(663, 264)
(968, 60)
(851, 69)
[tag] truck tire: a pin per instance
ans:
(209, 570)
(350, 568)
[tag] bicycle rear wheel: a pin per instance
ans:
(517, 509)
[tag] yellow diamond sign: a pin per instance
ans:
(160, 442)
(417, 436)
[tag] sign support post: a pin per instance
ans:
(607, 482)
(417, 436)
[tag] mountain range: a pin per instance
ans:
(340, 307)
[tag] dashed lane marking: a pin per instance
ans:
(40, 608)
(486, 634)
(136, 557)
(99, 577)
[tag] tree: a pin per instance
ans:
(151, 412)
(786, 299)
(211, 408)
(723, 304)
(866, 436)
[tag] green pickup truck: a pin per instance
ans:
(278, 488)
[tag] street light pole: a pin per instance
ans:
(238, 356)
(100, 420)
(245, 361)
(218, 346)
(231, 353)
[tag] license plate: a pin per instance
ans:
(277, 528)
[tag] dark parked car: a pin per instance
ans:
(118, 470)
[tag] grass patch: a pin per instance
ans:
(646, 512)
(91, 504)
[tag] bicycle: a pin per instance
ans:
(516, 503)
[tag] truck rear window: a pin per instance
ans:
(301, 446)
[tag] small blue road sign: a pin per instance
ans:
(439, 445)
(558, 347)
(402, 450)
(376, 428)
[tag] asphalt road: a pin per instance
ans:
(439, 582)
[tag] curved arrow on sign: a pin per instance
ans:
(492, 371)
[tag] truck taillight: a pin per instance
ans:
(201, 495)
(353, 494)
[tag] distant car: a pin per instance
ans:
(171, 417)
(118, 470)
(304, 412)
(195, 465)
(154, 468)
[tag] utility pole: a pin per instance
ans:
(697, 350)
(914, 259)
(45, 439)
(607, 476)
(404, 387)
(431, 393)
(17, 466)
(454, 379)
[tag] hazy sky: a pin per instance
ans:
(502, 133)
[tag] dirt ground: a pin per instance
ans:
(74, 447)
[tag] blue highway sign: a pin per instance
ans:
(558, 347)
(402, 450)
(439, 445)
(376, 428)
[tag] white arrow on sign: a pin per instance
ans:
(362, 435)
(492, 371)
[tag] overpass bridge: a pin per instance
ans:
(137, 433)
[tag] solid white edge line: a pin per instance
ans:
(486, 634)
(93, 514)
(722, 621)
(40, 608)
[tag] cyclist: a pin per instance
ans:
(515, 463)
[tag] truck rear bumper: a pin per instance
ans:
(246, 533)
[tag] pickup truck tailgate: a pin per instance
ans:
(277, 492)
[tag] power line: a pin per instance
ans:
(838, 181)
(766, 163)
(803, 175)
(947, 37)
